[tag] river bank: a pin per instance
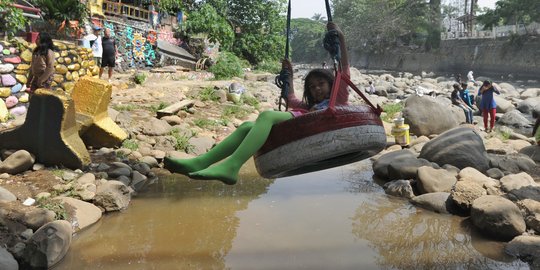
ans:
(211, 115)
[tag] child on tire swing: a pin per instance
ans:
(246, 140)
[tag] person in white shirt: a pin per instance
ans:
(470, 76)
(371, 88)
(95, 44)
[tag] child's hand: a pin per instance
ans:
(286, 64)
(333, 26)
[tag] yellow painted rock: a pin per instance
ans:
(92, 63)
(26, 56)
(74, 52)
(82, 71)
(23, 66)
(20, 71)
(88, 50)
(67, 60)
(24, 98)
(5, 92)
(74, 67)
(95, 70)
(63, 53)
(75, 75)
(32, 46)
(84, 64)
(56, 55)
(4, 113)
(88, 73)
(60, 60)
(58, 78)
(21, 78)
(68, 86)
(59, 45)
(53, 84)
(71, 46)
(69, 77)
(61, 69)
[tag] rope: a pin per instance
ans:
(282, 80)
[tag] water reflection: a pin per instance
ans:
(407, 238)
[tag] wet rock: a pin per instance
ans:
(6, 195)
(406, 168)
(7, 262)
(141, 167)
(438, 202)
(150, 161)
(84, 215)
(526, 247)
(435, 180)
(48, 245)
(399, 188)
(380, 166)
(115, 173)
(138, 181)
(124, 179)
(18, 162)
(497, 216)
(112, 196)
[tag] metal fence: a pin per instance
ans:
(496, 32)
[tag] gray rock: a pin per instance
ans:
(461, 147)
(380, 166)
(150, 161)
(531, 212)
(112, 196)
(84, 215)
(435, 180)
(513, 163)
(438, 202)
(465, 192)
(87, 178)
(495, 173)
(141, 167)
(138, 181)
(514, 118)
(6, 195)
(527, 192)
(7, 262)
(156, 127)
(426, 116)
(38, 217)
(48, 245)
(406, 168)
(526, 247)
(497, 216)
(124, 179)
(517, 181)
(532, 151)
(399, 188)
(201, 144)
(17, 162)
(115, 173)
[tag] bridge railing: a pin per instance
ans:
(124, 10)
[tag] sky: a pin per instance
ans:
(307, 8)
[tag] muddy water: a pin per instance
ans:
(332, 219)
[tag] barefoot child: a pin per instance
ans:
(246, 140)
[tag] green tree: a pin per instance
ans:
(219, 30)
(307, 41)
(12, 18)
(511, 12)
(173, 6)
(58, 12)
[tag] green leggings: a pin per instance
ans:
(236, 149)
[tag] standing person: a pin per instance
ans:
(238, 147)
(456, 100)
(371, 88)
(487, 104)
(42, 66)
(109, 53)
(95, 44)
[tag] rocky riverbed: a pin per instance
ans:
(493, 177)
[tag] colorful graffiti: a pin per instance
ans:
(151, 37)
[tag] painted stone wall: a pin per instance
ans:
(71, 63)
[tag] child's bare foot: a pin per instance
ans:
(221, 172)
(183, 166)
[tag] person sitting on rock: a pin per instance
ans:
(249, 137)
(466, 95)
(456, 100)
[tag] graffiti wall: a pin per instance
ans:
(137, 45)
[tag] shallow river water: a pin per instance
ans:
(333, 219)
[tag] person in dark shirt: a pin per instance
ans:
(109, 53)
(456, 100)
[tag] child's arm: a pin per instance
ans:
(343, 94)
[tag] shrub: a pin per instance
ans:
(53, 205)
(208, 93)
(140, 78)
(269, 66)
(236, 111)
(182, 141)
(160, 106)
(391, 109)
(227, 66)
(130, 144)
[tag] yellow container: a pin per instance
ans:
(401, 134)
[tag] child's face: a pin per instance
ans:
(319, 89)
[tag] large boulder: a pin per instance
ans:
(461, 147)
(527, 106)
(532, 151)
(435, 180)
(514, 118)
(503, 105)
(426, 116)
(48, 245)
(497, 216)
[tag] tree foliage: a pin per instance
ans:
(12, 18)
(173, 6)
(511, 12)
(375, 25)
(219, 30)
(307, 40)
(58, 12)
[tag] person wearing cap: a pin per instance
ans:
(96, 46)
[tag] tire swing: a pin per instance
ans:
(321, 139)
